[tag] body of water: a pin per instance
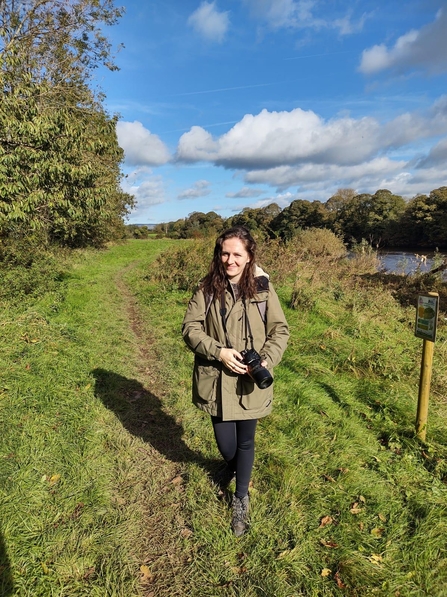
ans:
(407, 262)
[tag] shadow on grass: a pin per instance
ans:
(6, 582)
(142, 414)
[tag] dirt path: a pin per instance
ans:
(160, 467)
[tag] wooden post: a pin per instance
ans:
(424, 388)
(426, 323)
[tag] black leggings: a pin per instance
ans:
(236, 443)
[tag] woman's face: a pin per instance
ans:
(234, 258)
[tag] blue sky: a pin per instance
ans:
(229, 104)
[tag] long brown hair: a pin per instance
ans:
(216, 280)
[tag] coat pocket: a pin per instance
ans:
(252, 397)
(205, 382)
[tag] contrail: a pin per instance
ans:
(225, 89)
(244, 86)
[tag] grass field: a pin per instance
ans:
(105, 465)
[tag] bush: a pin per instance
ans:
(282, 259)
(183, 268)
(318, 242)
(28, 268)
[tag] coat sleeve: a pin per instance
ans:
(193, 329)
(277, 330)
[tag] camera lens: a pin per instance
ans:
(261, 376)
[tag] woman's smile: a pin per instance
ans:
(234, 258)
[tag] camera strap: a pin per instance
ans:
(248, 333)
(223, 312)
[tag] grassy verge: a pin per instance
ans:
(105, 464)
(345, 500)
(76, 485)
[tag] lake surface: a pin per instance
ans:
(407, 262)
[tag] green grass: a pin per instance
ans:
(70, 478)
(105, 464)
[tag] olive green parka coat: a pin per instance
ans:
(217, 390)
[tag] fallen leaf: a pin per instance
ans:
(54, 479)
(283, 554)
(45, 568)
(356, 508)
(329, 478)
(375, 558)
(362, 499)
(377, 532)
(340, 583)
(238, 569)
(328, 543)
(146, 574)
(89, 573)
(326, 520)
(326, 572)
(186, 532)
(77, 511)
(178, 480)
(382, 517)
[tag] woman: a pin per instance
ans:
(235, 309)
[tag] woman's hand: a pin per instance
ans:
(232, 359)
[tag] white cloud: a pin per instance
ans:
(141, 147)
(319, 182)
(306, 175)
(147, 189)
(245, 192)
(195, 145)
(209, 22)
(301, 14)
(422, 48)
(436, 157)
(201, 188)
(276, 139)
(281, 199)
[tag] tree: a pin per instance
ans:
(300, 214)
(424, 222)
(335, 205)
(59, 155)
(385, 211)
(365, 216)
(258, 219)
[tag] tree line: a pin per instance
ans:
(382, 219)
(60, 162)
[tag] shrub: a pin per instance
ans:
(318, 242)
(183, 268)
(28, 268)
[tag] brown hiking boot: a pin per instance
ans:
(239, 521)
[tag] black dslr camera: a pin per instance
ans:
(260, 375)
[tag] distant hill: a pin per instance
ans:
(150, 226)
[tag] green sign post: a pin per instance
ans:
(426, 322)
